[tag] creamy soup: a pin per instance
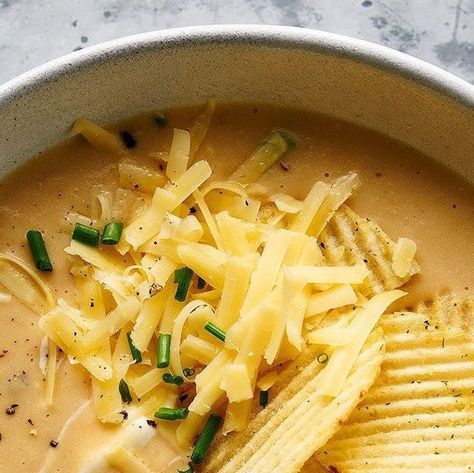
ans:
(403, 191)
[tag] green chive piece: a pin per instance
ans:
(201, 283)
(170, 379)
(178, 380)
(168, 413)
(205, 438)
(216, 331)
(112, 233)
(87, 235)
(323, 358)
(289, 137)
(136, 355)
(190, 469)
(182, 277)
(161, 120)
(264, 398)
(38, 250)
(163, 350)
(125, 392)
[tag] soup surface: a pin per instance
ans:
(404, 192)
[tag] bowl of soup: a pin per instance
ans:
(236, 249)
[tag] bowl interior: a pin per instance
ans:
(366, 84)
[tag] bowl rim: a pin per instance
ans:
(270, 36)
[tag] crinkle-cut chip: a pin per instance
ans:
(364, 242)
(452, 310)
(419, 415)
(298, 421)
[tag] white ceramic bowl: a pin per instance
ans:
(374, 86)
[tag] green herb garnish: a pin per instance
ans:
(87, 235)
(38, 250)
(136, 355)
(216, 331)
(170, 379)
(205, 438)
(182, 277)
(112, 233)
(163, 350)
(264, 398)
(168, 413)
(289, 137)
(125, 392)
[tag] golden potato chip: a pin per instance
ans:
(453, 311)
(419, 415)
(298, 421)
(351, 239)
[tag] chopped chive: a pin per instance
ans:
(168, 413)
(163, 350)
(264, 398)
(323, 358)
(112, 233)
(201, 283)
(136, 355)
(87, 235)
(128, 139)
(125, 392)
(289, 137)
(216, 331)
(182, 277)
(38, 250)
(205, 438)
(161, 120)
(170, 379)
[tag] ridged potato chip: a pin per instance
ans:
(419, 415)
(298, 421)
(351, 239)
(452, 310)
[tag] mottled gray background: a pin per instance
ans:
(34, 31)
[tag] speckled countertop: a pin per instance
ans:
(35, 31)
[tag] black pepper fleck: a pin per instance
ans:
(128, 139)
(151, 423)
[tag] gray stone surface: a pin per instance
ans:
(35, 31)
